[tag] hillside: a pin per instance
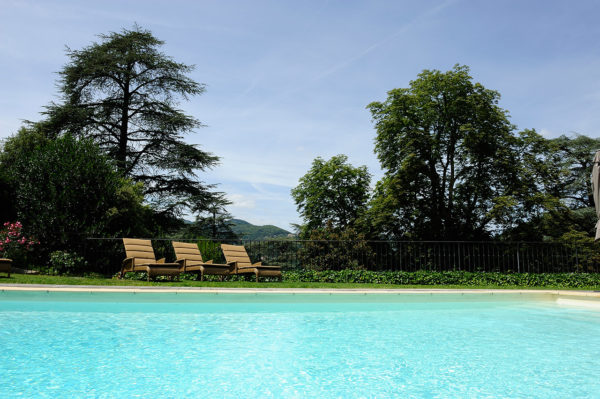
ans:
(249, 231)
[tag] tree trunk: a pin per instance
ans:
(123, 136)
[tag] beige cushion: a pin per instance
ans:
(188, 251)
(139, 249)
(236, 253)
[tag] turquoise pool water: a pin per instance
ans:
(280, 345)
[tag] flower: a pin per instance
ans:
(12, 240)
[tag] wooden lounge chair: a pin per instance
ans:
(237, 256)
(5, 265)
(141, 258)
(190, 259)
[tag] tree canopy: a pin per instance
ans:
(66, 190)
(123, 93)
(576, 155)
(332, 193)
(554, 197)
(212, 220)
(448, 152)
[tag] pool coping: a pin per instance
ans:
(223, 290)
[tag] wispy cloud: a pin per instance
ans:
(402, 30)
(241, 201)
(289, 81)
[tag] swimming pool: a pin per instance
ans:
(56, 344)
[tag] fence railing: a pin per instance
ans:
(105, 255)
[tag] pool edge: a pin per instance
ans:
(213, 290)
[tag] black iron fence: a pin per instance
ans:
(104, 255)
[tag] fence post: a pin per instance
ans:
(518, 259)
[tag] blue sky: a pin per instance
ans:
(288, 81)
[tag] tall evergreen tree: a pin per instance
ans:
(123, 93)
(212, 219)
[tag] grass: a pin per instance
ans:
(66, 280)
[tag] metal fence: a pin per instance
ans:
(104, 255)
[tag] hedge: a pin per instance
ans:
(551, 280)
(423, 277)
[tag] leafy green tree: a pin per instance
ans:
(332, 192)
(555, 191)
(335, 248)
(13, 149)
(66, 190)
(448, 151)
(129, 216)
(534, 190)
(7, 210)
(576, 155)
(123, 93)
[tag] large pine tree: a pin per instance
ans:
(123, 92)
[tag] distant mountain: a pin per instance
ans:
(249, 231)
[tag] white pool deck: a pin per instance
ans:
(568, 298)
(224, 290)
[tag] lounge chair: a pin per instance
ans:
(190, 259)
(141, 258)
(5, 265)
(236, 256)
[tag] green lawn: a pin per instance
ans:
(62, 280)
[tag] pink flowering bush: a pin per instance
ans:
(12, 240)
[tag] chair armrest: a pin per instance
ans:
(257, 264)
(209, 261)
(182, 264)
(128, 263)
(161, 260)
(233, 266)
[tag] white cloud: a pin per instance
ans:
(241, 201)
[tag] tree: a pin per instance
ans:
(334, 248)
(555, 197)
(123, 93)
(13, 149)
(533, 192)
(332, 193)
(576, 155)
(212, 220)
(448, 151)
(65, 191)
(7, 210)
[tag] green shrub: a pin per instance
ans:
(421, 277)
(331, 248)
(185, 276)
(210, 250)
(424, 277)
(63, 262)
